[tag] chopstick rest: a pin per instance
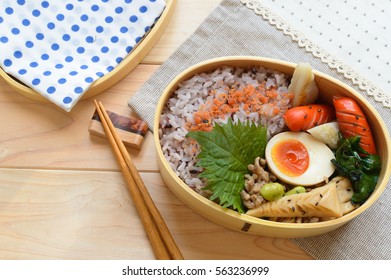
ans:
(131, 130)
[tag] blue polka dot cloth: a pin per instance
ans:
(59, 48)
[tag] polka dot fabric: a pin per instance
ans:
(59, 48)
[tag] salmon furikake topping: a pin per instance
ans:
(250, 99)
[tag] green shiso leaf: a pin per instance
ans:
(225, 153)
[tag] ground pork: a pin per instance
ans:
(254, 181)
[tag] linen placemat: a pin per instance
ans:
(242, 28)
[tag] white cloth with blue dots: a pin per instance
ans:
(59, 48)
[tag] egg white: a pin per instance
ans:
(319, 168)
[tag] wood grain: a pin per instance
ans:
(89, 215)
(43, 136)
(62, 195)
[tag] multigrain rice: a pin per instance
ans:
(202, 91)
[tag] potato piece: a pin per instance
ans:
(303, 85)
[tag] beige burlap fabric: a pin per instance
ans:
(235, 29)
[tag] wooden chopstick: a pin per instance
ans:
(162, 242)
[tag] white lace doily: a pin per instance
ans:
(352, 37)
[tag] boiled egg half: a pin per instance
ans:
(298, 158)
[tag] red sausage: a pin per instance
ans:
(303, 118)
(352, 122)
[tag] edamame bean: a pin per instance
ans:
(272, 191)
(295, 190)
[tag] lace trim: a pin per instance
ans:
(324, 56)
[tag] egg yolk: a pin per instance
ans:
(291, 157)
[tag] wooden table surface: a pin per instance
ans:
(62, 195)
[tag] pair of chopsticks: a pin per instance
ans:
(160, 237)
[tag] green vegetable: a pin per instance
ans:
(272, 191)
(295, 190)
(371, 162)
(360, 167)
(225, 153)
